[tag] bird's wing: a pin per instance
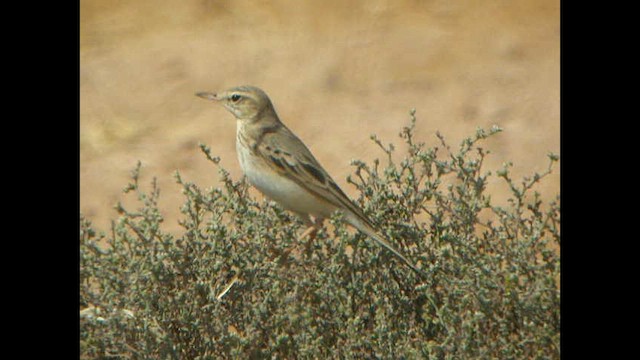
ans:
(288, 156)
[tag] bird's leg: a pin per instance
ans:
(312, 227)
(311, 232)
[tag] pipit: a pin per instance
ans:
(282, 168)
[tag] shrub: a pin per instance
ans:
(237, 283)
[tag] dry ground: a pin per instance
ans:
(337, 71)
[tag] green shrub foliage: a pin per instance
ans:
(239, 284)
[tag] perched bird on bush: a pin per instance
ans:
(280, 166)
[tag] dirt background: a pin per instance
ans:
(337, 72)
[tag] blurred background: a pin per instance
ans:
(336, 71)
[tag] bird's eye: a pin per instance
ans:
(235, 97)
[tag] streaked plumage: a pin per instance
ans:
(280, 166)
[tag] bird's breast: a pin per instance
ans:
(278, 187)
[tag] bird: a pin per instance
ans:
(277, 163)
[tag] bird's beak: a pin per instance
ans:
(208, 95)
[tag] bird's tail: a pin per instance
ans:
(365, 228)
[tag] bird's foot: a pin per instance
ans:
(311, 233)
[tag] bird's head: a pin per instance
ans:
(244, 102)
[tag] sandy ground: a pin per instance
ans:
(337, 72)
